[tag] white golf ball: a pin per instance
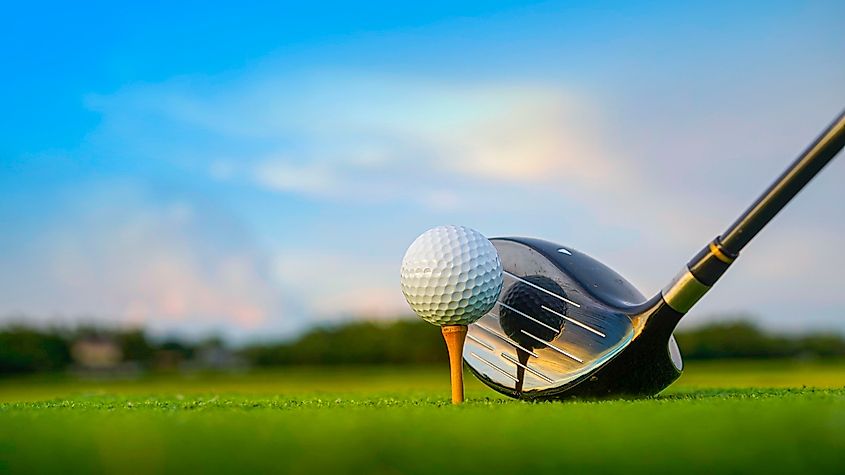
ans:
(451, 275)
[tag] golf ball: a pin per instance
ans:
(451, 275)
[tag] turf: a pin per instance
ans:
(719, 418)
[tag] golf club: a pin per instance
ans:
(566, 325)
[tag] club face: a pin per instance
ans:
(560, 317)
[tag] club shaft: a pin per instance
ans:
(799, 173)
(713, 260)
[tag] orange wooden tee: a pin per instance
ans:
(455, 335)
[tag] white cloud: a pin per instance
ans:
(308, 179)
(444, 146)
(117, 255)
(645, 195)
(352, 136)
(341, 285)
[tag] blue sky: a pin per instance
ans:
(256, 169)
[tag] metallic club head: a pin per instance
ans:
(567, 325)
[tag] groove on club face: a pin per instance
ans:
(529, 317)
(553, 347)
(500, 338)
(489, 363)
(541, 289)
(576, 322)
(527, 368)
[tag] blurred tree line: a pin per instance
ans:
(741, 339)
(29, 350)
(398, 342)
(402, 342)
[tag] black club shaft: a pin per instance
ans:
(799, 173)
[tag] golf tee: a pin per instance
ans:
(455, 335)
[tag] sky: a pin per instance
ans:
(253, 170)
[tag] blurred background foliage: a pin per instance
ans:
(401, 342)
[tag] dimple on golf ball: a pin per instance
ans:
(451, 275)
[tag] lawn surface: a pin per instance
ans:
(770, 417)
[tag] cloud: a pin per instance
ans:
(339, 285)
(118, 254)
(440, 145)
(643, 191)
(308, 179)
(378, 137)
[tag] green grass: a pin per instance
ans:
(771, 417)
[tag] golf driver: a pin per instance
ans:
(566, 325)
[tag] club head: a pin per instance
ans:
(567, 325)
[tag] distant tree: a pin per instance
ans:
(822, 345)
(25, 350)
(136, 347)
(742, 339)
(398, 342)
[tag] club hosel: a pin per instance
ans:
(694, 280)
